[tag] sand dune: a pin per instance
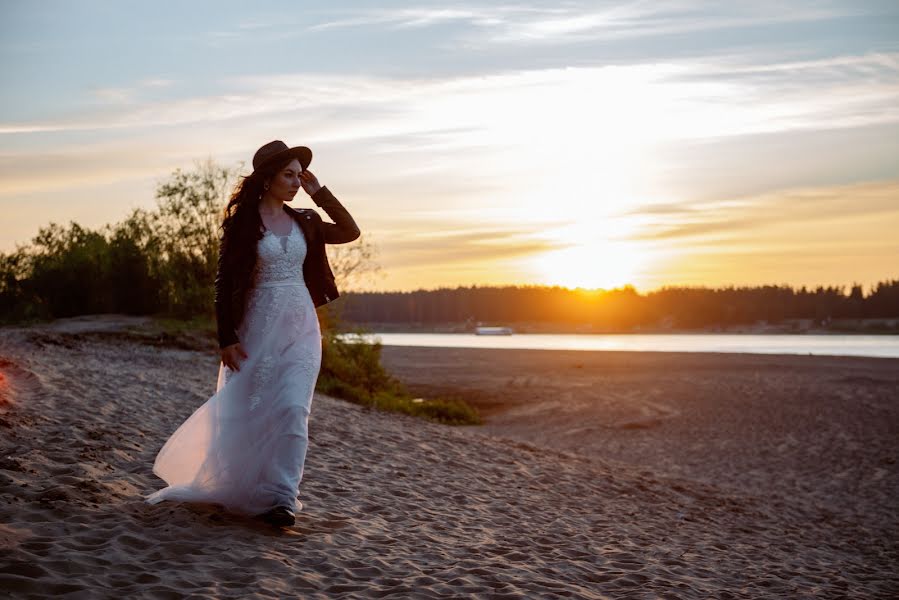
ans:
(394, 506)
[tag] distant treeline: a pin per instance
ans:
(154, 261)
(624, 308)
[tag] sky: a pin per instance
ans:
(581, 144)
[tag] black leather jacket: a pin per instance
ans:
(230, 295)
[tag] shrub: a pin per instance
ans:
(352, 370)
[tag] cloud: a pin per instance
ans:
(535, 143)
(434, 245)
(128, 95)
(676, 100)
(800, 236)
(665, 209)
(156, 83)
(438, 255)
(114, 95)
(576, 22)
(403, 18)
(797, 209)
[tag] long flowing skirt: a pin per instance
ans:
(245, 447)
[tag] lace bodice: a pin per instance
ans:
(280, 258)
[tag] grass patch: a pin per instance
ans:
(352, 371)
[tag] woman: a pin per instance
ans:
(246, 446)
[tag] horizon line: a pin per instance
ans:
(795, 287)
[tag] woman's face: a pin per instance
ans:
(285, 184)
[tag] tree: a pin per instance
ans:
(185, 235)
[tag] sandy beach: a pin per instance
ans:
(596, 475)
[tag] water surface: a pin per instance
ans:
(836, 345)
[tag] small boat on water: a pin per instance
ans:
(493, 331)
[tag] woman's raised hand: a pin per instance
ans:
(309, 182)
(232, 356)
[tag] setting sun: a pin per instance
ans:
(599, 264)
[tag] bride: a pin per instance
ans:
(246, 446)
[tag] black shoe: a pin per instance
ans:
(280, 516)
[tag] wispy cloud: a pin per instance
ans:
(128, 95)
(408, 18)
(575, 22)
(441, 248)
(676, 100)
(801, 236)
(585, 134)
(802, 208)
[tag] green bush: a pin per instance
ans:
(351, 370)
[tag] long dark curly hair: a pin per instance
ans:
(242, 229)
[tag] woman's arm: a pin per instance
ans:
(344, 228)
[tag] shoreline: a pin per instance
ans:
(557, 329)
(657, 344)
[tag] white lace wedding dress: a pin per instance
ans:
(246, 446)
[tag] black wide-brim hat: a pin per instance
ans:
(274, 151)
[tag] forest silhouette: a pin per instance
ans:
(624, 309)
(163, 262)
